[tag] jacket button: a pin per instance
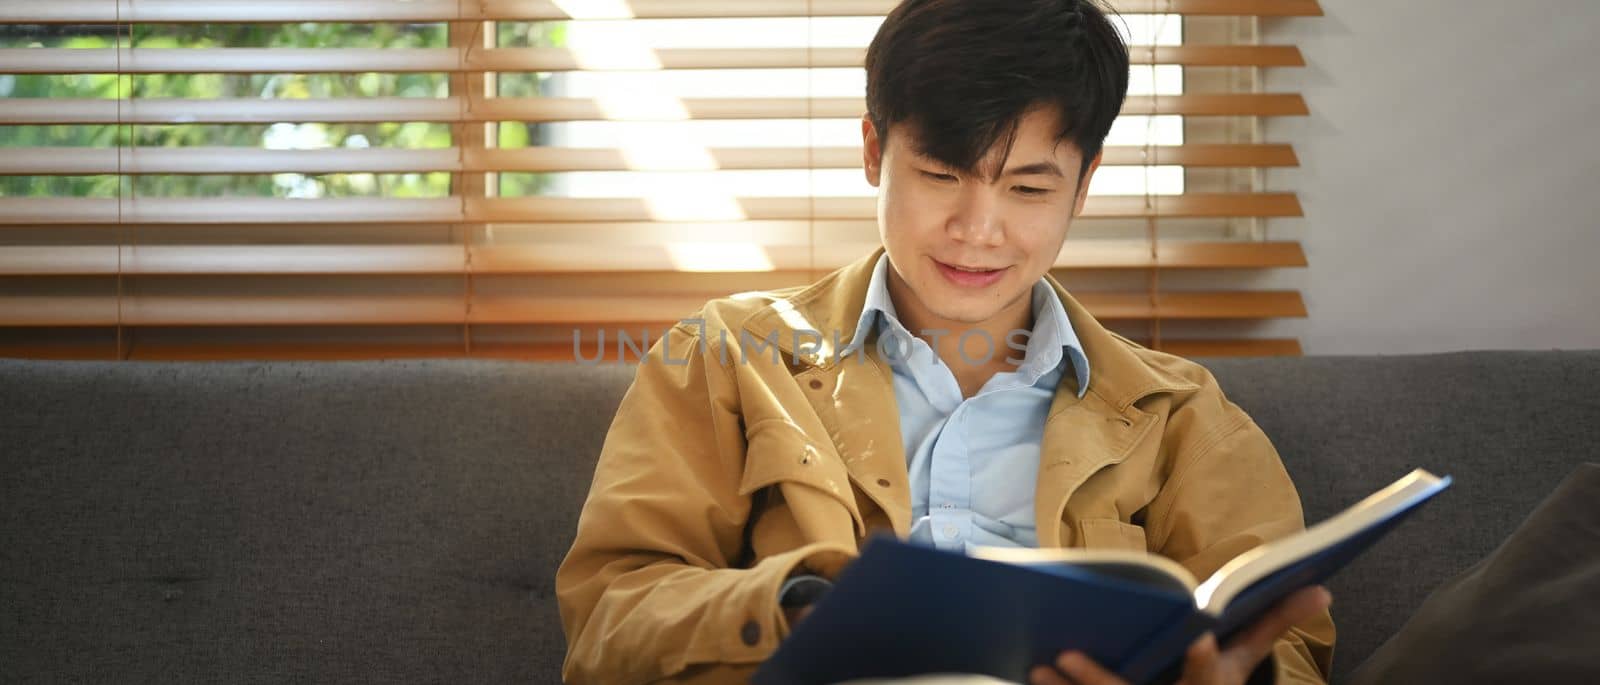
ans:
(750, 633)
(816, 384)
(883, 482)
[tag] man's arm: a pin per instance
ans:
(1228, 492)
(648, 590)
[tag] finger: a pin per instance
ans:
(1255, 643)
(1201, 665)
(1085, 671)
(1044, 675)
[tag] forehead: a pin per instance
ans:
(1037, 139)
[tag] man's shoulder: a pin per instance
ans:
(1186, 394)
(1168, 371)
(805, 306)
(732, 313)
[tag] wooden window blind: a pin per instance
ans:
(503, 178)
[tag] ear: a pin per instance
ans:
(1083, 183)
(871, 151)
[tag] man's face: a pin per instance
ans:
(967, 250)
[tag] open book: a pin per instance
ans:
(904, 609)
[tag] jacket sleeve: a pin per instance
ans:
(1228, 492)
(650, 589)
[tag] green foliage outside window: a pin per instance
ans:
(287, 135)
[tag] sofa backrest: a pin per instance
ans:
(1507, 425)
(316, 522)
(403, 520)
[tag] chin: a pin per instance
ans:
(955, 304)
(971, 311)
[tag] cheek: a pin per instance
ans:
(906, 216)
(1042, 236)
(1044, 230)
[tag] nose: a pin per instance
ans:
(976, 217)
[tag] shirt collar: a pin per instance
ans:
(1052, 337)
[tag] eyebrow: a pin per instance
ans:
(1048, 168)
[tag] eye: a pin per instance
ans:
(1026, 190)
(938, 176)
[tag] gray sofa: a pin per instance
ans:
(402, 521)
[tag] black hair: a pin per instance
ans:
(962, 73)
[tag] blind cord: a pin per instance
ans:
(116, 133)
(463, 108)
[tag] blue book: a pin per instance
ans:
(903, 609)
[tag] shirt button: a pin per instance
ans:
(750, 633)
(951, 531)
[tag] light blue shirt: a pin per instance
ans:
(973, 461)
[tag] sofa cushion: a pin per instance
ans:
(291, 522)
(1529, 613)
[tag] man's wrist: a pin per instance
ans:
(1265, 673)
(802, 590)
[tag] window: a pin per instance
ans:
(352, 178)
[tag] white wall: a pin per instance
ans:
(1450, 175)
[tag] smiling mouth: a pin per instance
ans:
(969, 269)
(968, 277)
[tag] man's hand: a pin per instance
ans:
(1203, 665)
(793, 616)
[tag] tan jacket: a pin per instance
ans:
(724, 472)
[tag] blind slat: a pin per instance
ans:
(57, 311)
(227, 110)
(207, 210)
(1264, 347)
(542, 110)
(424, 60)
(420, 310)
(1194, 205)
(379, 260)
(226, 160)
(673, 109)
(1203, 155)
(181, 11)
(1267, 304)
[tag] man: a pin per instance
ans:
(764, 439)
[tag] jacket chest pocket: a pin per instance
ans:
(1110, 533)
(811, 479)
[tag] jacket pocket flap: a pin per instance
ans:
(1110, 533)
(778, 452)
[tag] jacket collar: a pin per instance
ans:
(1052, 341)
(822, 319)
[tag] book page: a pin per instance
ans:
(1138, 567)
